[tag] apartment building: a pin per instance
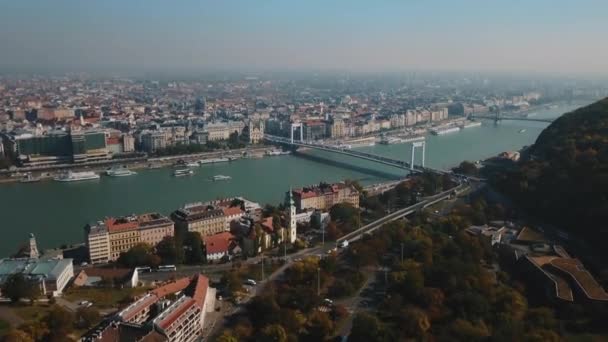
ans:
(157, 317)
(205, 218)
(108, 238)
(323, 196)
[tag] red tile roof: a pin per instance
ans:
(232, 211)
(115, 225)
(171, 287)
(173, 316)
(267, 224)
(218, 243)
(200, 290)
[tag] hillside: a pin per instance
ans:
(564, 176)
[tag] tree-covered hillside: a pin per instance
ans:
(564, 176)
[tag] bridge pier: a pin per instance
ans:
(297, 125)
(415, 145)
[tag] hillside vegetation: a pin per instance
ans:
(563, 177)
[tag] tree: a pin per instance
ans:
(139, 255)
(414, 322)
(60, 323)
(366, 328)
(345, 214)
(319, 326)
(266, 310)
(194, 247)
(467, 168)
(15, 335)
(169, 251)
(227, 336)
(87, 317)
(17, 287)
(272, 333)
(37, 329)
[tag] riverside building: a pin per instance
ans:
(108, 238)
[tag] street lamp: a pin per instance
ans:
(318, 281)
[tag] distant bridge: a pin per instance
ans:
(357, 154)
(497, 118)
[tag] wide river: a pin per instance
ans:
(57, 212)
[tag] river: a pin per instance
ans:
(57, 212)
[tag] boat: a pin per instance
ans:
(522, 130)
(413, 138)
(472, 124)
(183, 172)
(71, 176)
(221, 178)
(444, 130)
(277, 153)
(390, 140)
(30, 179)
(213, 160)
(119, 172)
(193, 164)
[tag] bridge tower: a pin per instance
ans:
(417, 144)
(297, 125)
(497, 115)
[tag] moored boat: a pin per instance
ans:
(71, 176)
(120, 172)
(183, 172)
(221, 178)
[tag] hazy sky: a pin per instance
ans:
(520, 35)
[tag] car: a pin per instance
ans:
(83, 303)
(251, 282)
(328, 301)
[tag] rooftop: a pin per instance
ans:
(49, 269)
(218, 243)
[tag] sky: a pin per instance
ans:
(552, 36)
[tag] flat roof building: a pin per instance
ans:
(51, 275)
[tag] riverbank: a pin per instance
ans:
(48, 173)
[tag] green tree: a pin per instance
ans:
(366, 328)
(194, 247)
(87, 317)
(139, 255)
(170, 251)
(227, 336)
(272, 333)
(319, 326)
(15, 335)
(37, 329)
(17, 287)
(60, 323)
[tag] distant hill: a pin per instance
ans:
(563, 177)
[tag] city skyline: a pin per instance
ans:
(504, 36)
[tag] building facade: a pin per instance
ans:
(324, 196)
(108, 238)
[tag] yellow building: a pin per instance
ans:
(324, 196)
(107, 239)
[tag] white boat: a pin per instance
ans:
(193, 164)
(30, 179)
(523, 130)
(472, 124)
(412, 139)
(390, 140)
(213, 160)
(183, 172)
(277, 153)
(120, 172)
(221, 178)
(71, 176)
(444, 130)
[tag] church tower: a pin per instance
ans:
(291, 217)
(33, 247)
